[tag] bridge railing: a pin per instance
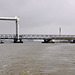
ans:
(7, 36)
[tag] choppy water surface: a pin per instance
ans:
(37, 59)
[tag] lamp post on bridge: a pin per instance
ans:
(59, 31)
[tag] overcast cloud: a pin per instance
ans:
(39, 16)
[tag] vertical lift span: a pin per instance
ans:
(16, 19)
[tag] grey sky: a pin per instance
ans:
(39, 16)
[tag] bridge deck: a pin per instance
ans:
(31, 36)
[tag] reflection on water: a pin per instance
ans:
(37, 59)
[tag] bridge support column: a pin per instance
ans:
(48, 41)
(17, 39)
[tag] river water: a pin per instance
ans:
(37, 58)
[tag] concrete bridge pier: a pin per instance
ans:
(48, 41)
(73, 41)
(18, 40)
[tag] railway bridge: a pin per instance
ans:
(46, 38)
(18, 38)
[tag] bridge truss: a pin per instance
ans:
(38, 36)
(46, 38)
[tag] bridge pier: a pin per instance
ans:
(73, 41)
(48, 41)
(18, 40)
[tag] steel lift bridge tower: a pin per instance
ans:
(16, 19)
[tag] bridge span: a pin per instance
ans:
(18, 38)
(46, 38)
